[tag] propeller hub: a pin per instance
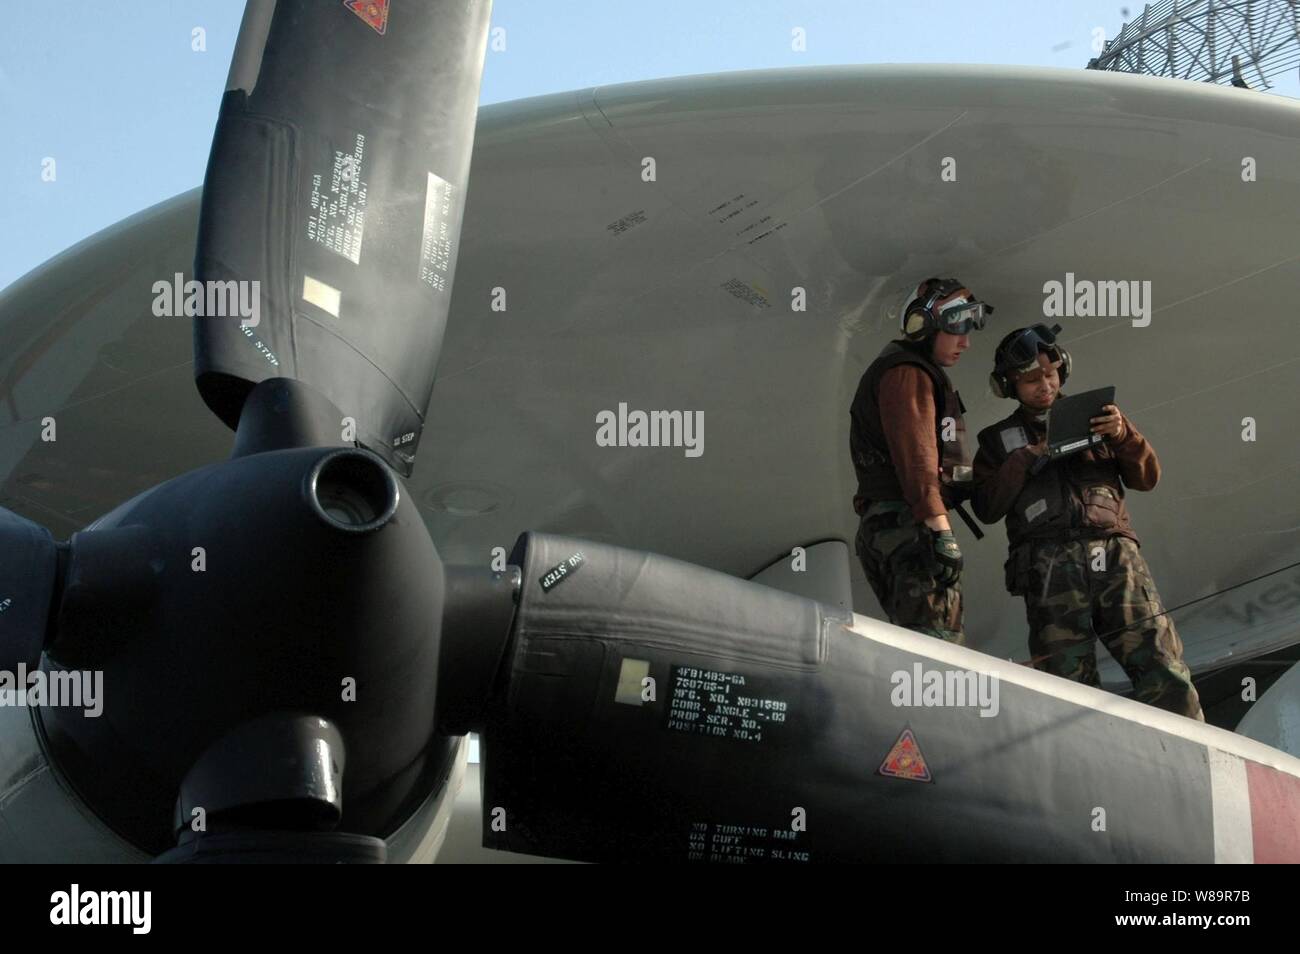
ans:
(290, 581)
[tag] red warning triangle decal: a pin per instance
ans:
(374, 12)
(906, 761)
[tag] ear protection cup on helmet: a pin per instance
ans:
(916, 325)
(999, 382)
(916, 322)
(1063, 371)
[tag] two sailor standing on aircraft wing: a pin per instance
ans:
(908, 443)
(1073, 554)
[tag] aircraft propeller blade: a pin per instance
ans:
(333, 200)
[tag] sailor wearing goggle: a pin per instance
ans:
(1074, 556)
(907, 439)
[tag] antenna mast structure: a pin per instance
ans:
(1231, 42)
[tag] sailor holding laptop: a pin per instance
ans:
(1056, 469)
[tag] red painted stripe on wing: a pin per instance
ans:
(1274, 814)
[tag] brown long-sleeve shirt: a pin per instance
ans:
(907, 416)
(996, 487)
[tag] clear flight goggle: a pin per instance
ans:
(964, 315)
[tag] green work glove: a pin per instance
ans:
(947, 557)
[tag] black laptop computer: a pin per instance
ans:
(1069, 424)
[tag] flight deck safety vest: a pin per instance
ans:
(877, 479)
(1075, 497)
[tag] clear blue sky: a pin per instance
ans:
(114, 93)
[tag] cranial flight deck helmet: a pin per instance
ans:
(1018, 352)
(942, 304)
